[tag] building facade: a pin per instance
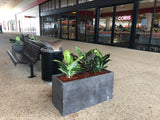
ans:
(124, 23)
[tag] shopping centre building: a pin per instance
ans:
(124, 23)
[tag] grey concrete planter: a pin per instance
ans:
(70, 97)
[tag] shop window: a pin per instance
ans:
(50, 4)
(46, 6)
(63, 3)
(82, 25)
(123, 22)
(105, 25)
(57, 3)
(81, 1)
(53, 4)
(90, 23)
(144, 23)
(71, 2)
(155, 40)
(86, 22)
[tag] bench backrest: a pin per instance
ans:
(31, 50)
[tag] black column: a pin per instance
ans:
(60, 25)
(134, 23)
(153, 16)
(76, 26)
(85, 25)
(113, 24)
(96, 28)
(68, 27)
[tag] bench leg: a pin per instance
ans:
(32, 74)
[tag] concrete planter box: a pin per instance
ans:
(70, 97)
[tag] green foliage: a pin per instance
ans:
(34, 38)
(91, 61)
(18, 40)
(100, 61)
(69, 66)
(85, 63)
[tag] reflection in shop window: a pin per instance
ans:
(57, 3)
(123, 22)
(50, 4)
(53, 4)
(71, 2)
(144, 21)
(81, 1)
(105, 25)
(63, 3)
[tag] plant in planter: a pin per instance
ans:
(70, 66)
(73, 93)
(34, 38)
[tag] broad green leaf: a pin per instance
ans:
(106, 56)
(18, 38)
(98, 53)
(78, 51)
(68, 58)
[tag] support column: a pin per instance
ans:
(113, 24)
(134, 23)
(96, 28)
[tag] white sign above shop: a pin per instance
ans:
(122, 18)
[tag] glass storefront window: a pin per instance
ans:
(155, 41)
(123, 24)
(71, 2)
(53, 4)
(144, 21)
(90, 25)
(50, 26)
(50, 4)
(89, 0)
(68, 23)
(81, 1)
(57, 3)
(64, 28)
(46, 6)
(86, 22)
(81, 25)
(63, 3)
(105, 25)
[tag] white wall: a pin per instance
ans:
(29, 25)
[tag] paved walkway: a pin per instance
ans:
(136, 87)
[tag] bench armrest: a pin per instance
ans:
(12, 57)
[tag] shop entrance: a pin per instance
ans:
(123, 22)
(68, 25)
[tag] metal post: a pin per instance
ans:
(60, 26)
(32, 72)
(113, 24)
(134, 23)
(76, 38)
(67, 27)
(96, 28)
(153, 16)
(85, 25)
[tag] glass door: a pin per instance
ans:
(123, 24)
(105, 25)
(72, 26)
(64, 29)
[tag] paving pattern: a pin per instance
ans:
(136, 87)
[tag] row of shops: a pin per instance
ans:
(123, 23)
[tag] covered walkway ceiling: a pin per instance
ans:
(15, 4)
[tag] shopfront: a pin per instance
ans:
(125, 23)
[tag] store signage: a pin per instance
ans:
(121, 18)
(144, 22)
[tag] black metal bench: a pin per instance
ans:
(28, 55)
